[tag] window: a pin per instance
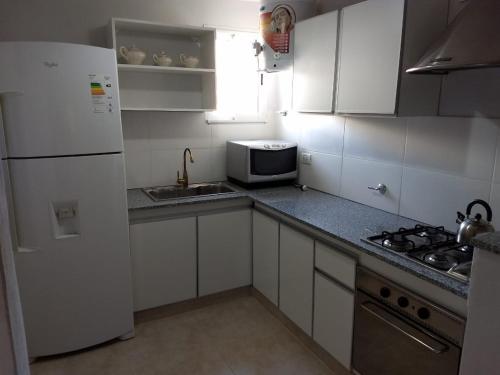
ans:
(238, 79)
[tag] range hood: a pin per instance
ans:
(471, 41)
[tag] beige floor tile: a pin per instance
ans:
(239, 337)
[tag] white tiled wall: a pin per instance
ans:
(154, 143)
(325, 172)
(358, 174)
(432, 166)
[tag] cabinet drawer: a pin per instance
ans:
(337, 265)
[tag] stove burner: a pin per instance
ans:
(397, 245)
(440, 260)
(397, 242)
(433, 234)
(435, 247)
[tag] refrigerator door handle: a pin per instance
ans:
(15, 237)
(25, 250)
(11, 93)
(3, 120)
(12, 213)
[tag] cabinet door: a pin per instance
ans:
(333, 318)
(296, 277)
(224, 251)
(315, 51)
(369, 57)
(163, 262)
(265, 256)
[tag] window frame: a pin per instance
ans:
(218, 117)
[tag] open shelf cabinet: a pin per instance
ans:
(165, 88)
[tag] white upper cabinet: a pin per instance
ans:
(178, 86)
(378, 41)
(314, 63)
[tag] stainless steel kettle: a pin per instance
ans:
(470, 227)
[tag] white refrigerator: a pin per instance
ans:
(62, 147)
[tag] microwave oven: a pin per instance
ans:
(253, 162)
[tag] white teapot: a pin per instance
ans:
(162, 59)
(189, 61)
(132, 55)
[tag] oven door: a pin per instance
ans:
(271, 164)
(387, 343)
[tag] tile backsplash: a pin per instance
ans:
(432, 166)
(154, 143)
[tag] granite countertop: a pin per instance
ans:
(488, 242)
(337, 217)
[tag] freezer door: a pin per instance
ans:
(59, 99)
(73, 257)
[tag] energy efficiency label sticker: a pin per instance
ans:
(101, 93)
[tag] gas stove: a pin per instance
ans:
(434, 247)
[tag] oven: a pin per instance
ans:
(398, 332)
(251, 162)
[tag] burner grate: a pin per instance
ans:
(434, 247)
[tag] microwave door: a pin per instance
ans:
(279, 163)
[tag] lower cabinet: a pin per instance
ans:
(163, 262)
(334, 284)
(174, 260)
(266, 255)
(224, 251)
(296, 277)
(333, 318)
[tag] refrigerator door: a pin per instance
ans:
(59, 99)
(73, 258)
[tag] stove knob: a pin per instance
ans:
(403, 302)
(385, 292)
(423, 313)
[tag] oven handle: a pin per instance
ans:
(419, 337)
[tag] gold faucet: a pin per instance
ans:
(184, 181)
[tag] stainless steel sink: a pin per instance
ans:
(162, 193)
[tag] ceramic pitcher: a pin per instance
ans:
(162, 59)
(189, 61)
(132, 55)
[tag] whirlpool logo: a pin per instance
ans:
(50, 64)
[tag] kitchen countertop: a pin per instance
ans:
(488, 242)
(337, 217)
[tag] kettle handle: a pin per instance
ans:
(489, 213)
